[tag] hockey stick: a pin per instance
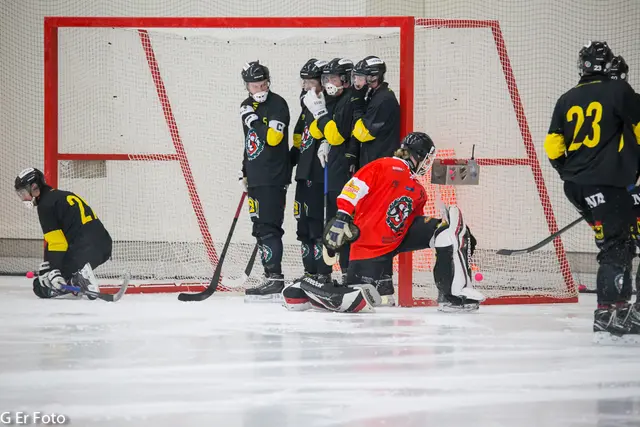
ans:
(328, 259)
(540, 244)
(554, 235)
(213, 285)
(240, 281)
(105, 297)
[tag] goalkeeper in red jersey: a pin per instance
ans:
(380, 211)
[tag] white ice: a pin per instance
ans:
(150, 360)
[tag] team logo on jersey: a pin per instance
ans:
(307, 140)
(317, 251)
(304, 250)
(398, 212)
(265, 254)
(253, 145)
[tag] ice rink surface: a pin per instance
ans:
(150, 360)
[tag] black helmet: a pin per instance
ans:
(340, 67)
(595, 58)
(312, 69)
(422, 150)
(254, 72)
(28, 177)
(371, 66)
(619, 69)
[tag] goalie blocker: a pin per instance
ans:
(381, 215)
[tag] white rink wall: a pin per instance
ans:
(460, 100)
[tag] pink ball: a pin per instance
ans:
(479, 277)
(30, 275)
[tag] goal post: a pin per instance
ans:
(141, 120)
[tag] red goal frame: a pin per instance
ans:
(406, 26)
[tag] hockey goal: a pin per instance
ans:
(141, 119)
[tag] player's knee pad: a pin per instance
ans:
(265, 231)
(613, 283)
(295, 299)
(271, 252)
(343, 299)
(307, 251)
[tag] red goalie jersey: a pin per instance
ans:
(383, 200)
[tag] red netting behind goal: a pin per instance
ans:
(141, 119)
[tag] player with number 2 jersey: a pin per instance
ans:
(593, 144)
(76, 240)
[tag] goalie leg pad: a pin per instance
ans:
(294, 298)
(343, 299)
(454, 247)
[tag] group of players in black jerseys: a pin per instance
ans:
(593, 143)
(350, 118)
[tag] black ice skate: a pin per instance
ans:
(616, 325)
(269, 291)
(385, 288)
(630, 318)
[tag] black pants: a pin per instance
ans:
(95, 253)
(332, 209)
(266, 210)
(308, 210)
(372, 270)
(609, 212)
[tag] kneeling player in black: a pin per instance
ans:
(266, 172)
(76, 240)
(308, 207)
(597, 163)
(381, 212)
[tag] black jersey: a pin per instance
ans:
(266, 147)
(594, 133)
(68, 222)
(309, 166)
(379, 129)
(336, 128)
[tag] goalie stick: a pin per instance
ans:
(240, 281)
(213, 285)
(540, 244)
